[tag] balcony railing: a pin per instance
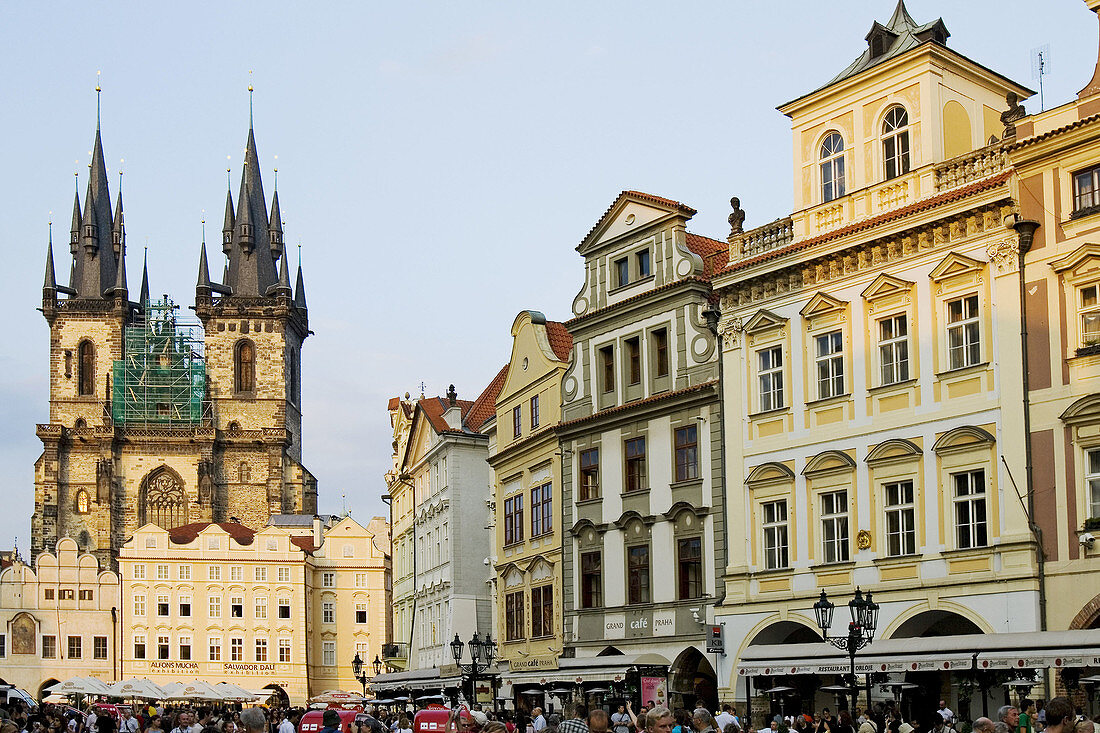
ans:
(394, 652)
(974, 166)
(771, 236)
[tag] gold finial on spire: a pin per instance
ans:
(276, 172)
(203, 221)
(228, 179)
(98, 90)
(250, 99)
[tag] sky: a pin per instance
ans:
(438, 163)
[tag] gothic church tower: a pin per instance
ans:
(151, 420)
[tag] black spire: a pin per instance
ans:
(227, 227)
(300, 287)
(202, 285)
(95, 260)
(50, 283)
(275, 226)
(143, 296)
(120, 275)
(251, 268)
(283, 286)
(74, 233)
(118, 233)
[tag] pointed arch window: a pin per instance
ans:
(85, 377)
(832, 167)
(83, 504)
(895, 142)
(244, 366)
(163, 502)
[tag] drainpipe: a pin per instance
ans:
(1025, 228)
(713, 314)
(114, 640)
(404, 478)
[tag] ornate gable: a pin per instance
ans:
(631, 212)
(764, 320)
(822, 304)
(954, 265)
(1083, 260)
(885, 286)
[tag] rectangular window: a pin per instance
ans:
(513, 519)
(3, 646)
(185, 572)
(328, 580)
(591, 580)
(1086, 190)
(901, 526)
(834, 526)
(328, 653)
(607, 359)
(185, 648)
(513, 616)
(162, 605)
(236, 574)
(236, 607)
(542, 510)
(74, 647)
(284, 575)
(139, 605)
(150, 543)
(542, 611)
(99, 647)
(636, 479)
(641, 259)
(970, 517)
(185, 606)
(259, 574)
(164, 647)
(689, 561)
(85, 595)
(534, 412)
(637, 574)
(893, 349)
(284, 651)
(517, 421)
(360, 580)
(775, 534)
(1089, 298)
(964, 347)
(261, 650)
(261, 607)
(49, 647)
(687, 453)
(634, 360)
(162, 572)
(360, 613)
(660, 352)
(1092, 481)
(66, 594)
(284, 608)
(215, 606)
(769, 377)
(214, 572)
(48, 594)
(328, 612)
(214, 645)
(622, 272)
(139, 646)
(236, 650)
(213, 543)
(590, 474)
(829, 356)
(139, 572)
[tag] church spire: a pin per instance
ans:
(230, 220)
(202, 285)
(300, 285)
(252, 270)
(143, 295)
(119, 288)
(96, 260)
(50, 283)
(118, 232)
(283, 286)
(275, 226)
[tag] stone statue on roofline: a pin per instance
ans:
(1010, 116)
(737, 218)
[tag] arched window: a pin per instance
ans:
(83, 504)
(163, 502)
(245, 367)
(85, 377)
(832, 167)
(895, 142)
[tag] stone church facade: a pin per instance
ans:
(155, 419)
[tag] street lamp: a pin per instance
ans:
(360, 674)
(377, 665)
(479, 650)
(861, 629)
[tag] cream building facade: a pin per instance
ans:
(872, 375)
(59, 618)
(525, 464)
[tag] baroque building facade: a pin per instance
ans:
(642, 475)
(152, 418)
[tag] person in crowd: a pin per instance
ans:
(1060, 715)
(1026, 721)
(983, 725)
(659, 719)
(599, 721)
(576, 724)
(1009, 715)
(404, 726)
(494, 726)
(538, 720)
(156, 725)
(703, 722)
(725, 717)
(623, 720)
(127, 723)
(106, 724)
(946, 713)
(253, 720)
(842, 723)
(289, 723)
(640, 718)
(553, 723)
(683, 721)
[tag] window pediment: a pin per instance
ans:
(894, 449)
(884, 286)
(828, 461)
(963, 438)
(822, 304)
(769, 473)
(764, 320)
(954, 265)
(683, 506)
(629, 517)
(1086, 409)
(1083, 260)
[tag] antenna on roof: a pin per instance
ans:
(1040, 67)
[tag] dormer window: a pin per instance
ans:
(895, 142)
(832, 167)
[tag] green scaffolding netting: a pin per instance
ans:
(161, 378)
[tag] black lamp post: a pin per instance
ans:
(861, 630)
(479, 649)
(360, 674)
(377, 664)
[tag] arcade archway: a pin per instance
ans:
(693, 681)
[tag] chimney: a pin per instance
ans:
(452, 413)
(318, 536)
(1093, 87)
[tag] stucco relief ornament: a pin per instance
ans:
(731, 333)
(1003, 254)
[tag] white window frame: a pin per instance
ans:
(361, 608)
(1092, 481)
(185, 572)
(139, 605)
(214, 606)
(285, 651)
(831, 161)
(284, 575)
(139, 572)
(214, 572)
(214, 648)
(260, 606)
(260, 649)
(836, 545)
(236, 649)
(971, 509)
(328, 653)
(966, 328)
(163, 572)
(236, 574)
(1082, 199)
(775, 539)
(898, 134)
(1088, 313)
(769, 378)
(328, 612)
(900, 518)
(829, 363)
(259, 574)
(328, 580)
(893, 348)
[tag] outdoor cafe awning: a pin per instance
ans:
(966, 651)
(417, 679)
(611, 668)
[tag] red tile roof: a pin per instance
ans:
(1056, 131)
(648, 197)
(715, 254)
(928, 203)
(394, 403)
(305, 542)
(434, 407)
(188, 532)
(561, 341)
(485, 406)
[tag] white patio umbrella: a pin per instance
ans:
(141, 688)
(233, 693)
(200, 690)
(172, 690)
(80, 686)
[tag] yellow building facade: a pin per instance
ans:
(526, 475)
(872, 379)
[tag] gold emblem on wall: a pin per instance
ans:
(863, 539)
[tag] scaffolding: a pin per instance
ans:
(161, 379)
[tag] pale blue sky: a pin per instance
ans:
(439, 163)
